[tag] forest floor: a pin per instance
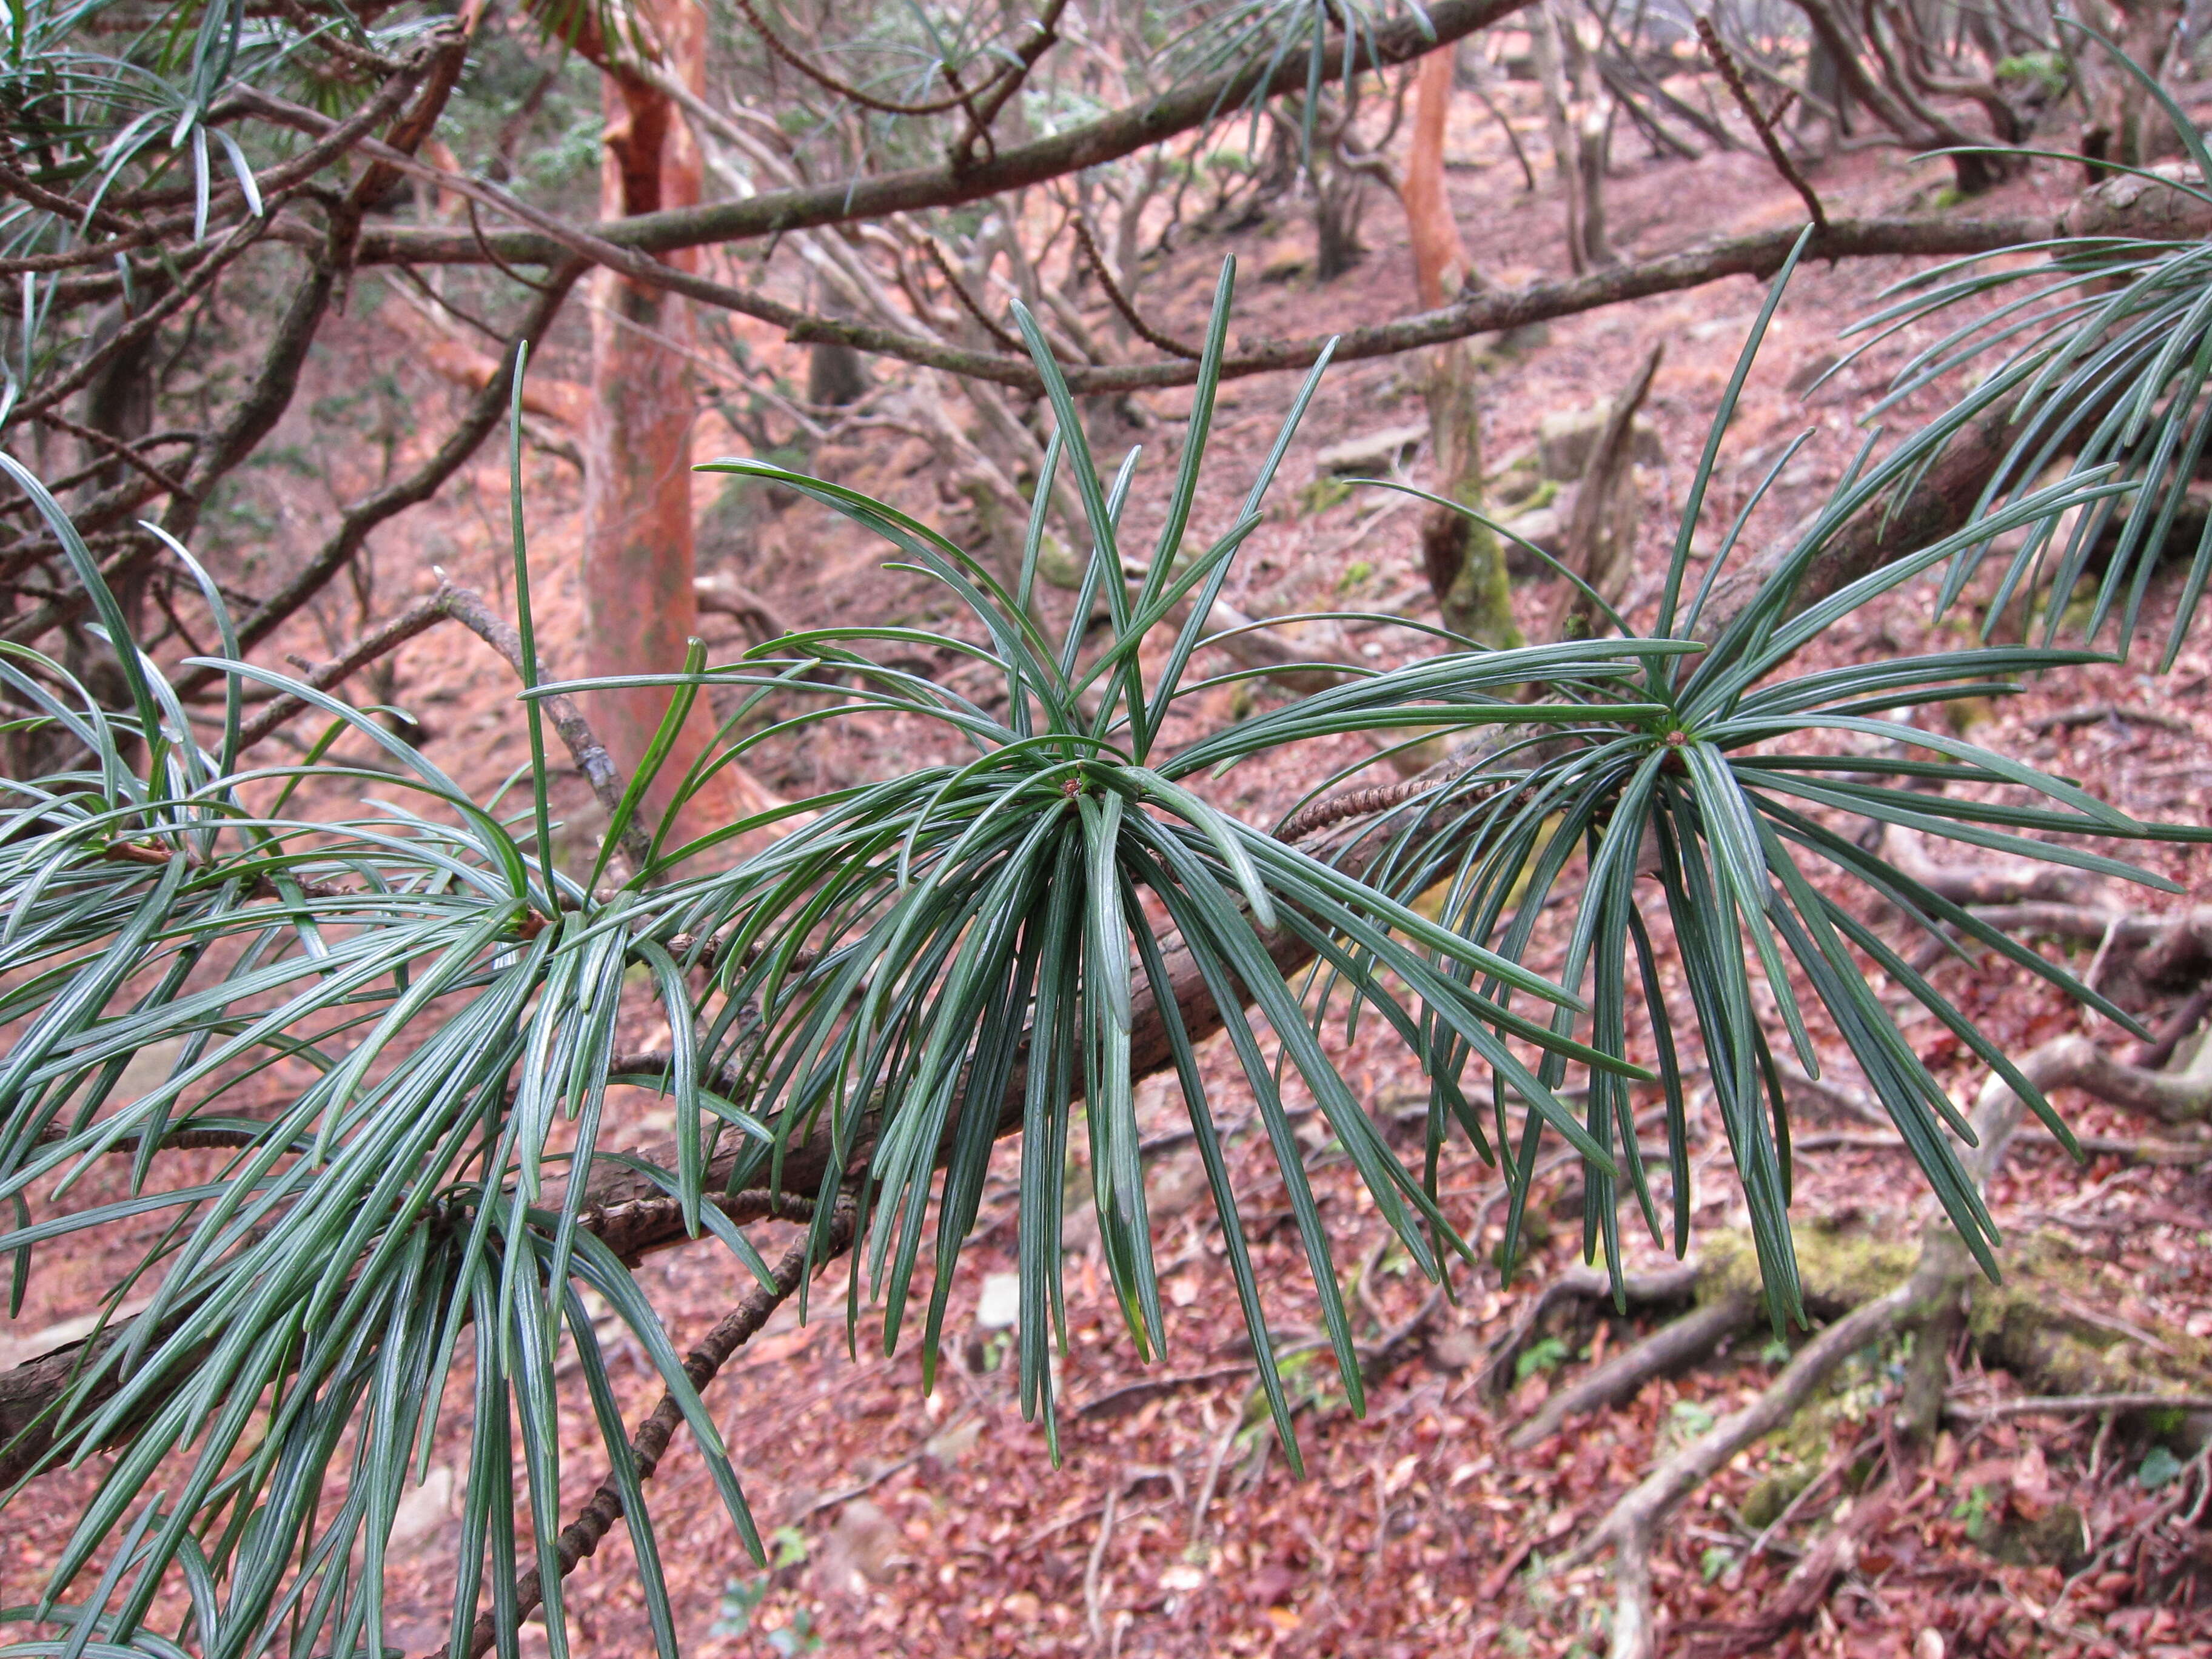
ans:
(934, 1525)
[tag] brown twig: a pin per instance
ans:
(993, 94)
(582, 1536)
(955, 100)
(1724, 60)
(1351, 804)
(127, 454)
(1143, 330)
(968, 302)
(466, 607)
(1512, 138)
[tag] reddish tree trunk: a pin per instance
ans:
(1465, 564)
(640, 611)
(1440, 262)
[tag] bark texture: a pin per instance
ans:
(641, 609)
(1465, 564)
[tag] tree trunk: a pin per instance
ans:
(1465, 564)
(1339, 197)
(640, 609)
(1824, 82)
(1560, 128)
(2125, 123)
(1594, 140)
(1601, 536)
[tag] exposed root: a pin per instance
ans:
(1635, 1518)
(2074, 1062)
(1581, 1284)
(1671, 1348)
(2031, 1325)
(2143, 951)
(2070, 1405)
(1975, 885)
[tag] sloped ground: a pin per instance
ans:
(934, 1526)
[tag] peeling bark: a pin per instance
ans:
(641, 609)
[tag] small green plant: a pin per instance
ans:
(739, 1614)
(1974, 1508)
(1686, 1420)
(1541, 1357)
(2158, 1466)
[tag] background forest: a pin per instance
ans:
(1293, 826)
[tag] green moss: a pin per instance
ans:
(2026, 1326)
(2051, 71)
(1774, 1494)
(1322, 493)
(1840, 1266)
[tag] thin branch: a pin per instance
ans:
(1512, 139)
(465, 606)
(996, 94)
(582, 1536)
(591, 755)
(126, 453)
(968, 301)
(1088, 145)
(1360, 803)
(955, 100)
(1724, 60)
(1143, 330)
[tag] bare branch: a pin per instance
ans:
(486, 413)
(1761, 122)
(465, 606)
(841, 202)
(582, 1536)
(1143, 330)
